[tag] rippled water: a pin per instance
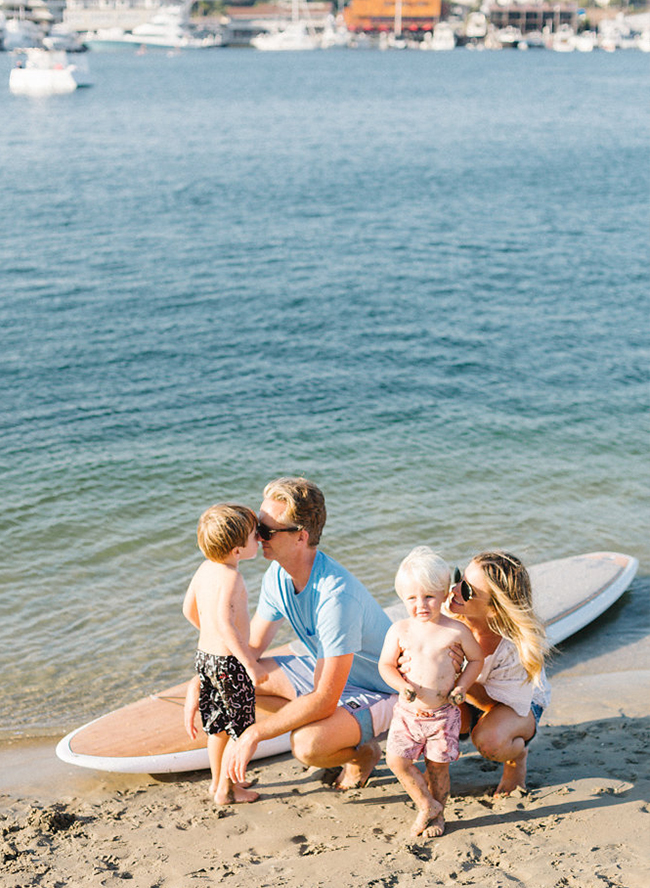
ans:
(421, 279)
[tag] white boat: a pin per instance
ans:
(296, 35)
(442, 39)
(643, 41)
(168, 29)
(476, 26)
(45, 72)
(585, 41)
(563, 39)
(21, 33)
(61, 37)
(509, 37)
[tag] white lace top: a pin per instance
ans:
(505, 680)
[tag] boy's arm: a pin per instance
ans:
(474, 656)
(229, 603)
(190, 608)
(388, 670)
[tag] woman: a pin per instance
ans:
(494, 599)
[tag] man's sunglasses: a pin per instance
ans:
(265, 532)
(467, 592)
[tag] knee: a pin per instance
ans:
(488, 742)
(305, 746)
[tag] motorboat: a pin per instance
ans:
(295, 35)
(61, 37)
(441, 39)
(168, 29)
(509, 37)
(563, 40)
(21, 33)
(46, 72)
(585, 41)
(298, 34)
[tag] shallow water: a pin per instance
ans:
(421, 279)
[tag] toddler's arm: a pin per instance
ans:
(388, 670)
(474, 656)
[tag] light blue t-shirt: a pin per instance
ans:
(333, 615)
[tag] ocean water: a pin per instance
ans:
(421, 279)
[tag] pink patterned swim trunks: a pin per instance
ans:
(435, 734)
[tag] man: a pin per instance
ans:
(332, 698)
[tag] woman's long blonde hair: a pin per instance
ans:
(512, 614)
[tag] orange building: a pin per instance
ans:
(379, 15)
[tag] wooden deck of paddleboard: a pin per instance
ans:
(151, 726)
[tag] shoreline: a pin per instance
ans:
(582, 822)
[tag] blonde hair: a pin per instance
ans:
(426, 569)
(222, 528)
(304, 504)
(512, 614)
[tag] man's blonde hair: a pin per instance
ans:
(304, 504)
(222, 528)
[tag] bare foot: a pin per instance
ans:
(212, 789)
(356, 772)
(514, 775)
(235, 795)
(429, 823)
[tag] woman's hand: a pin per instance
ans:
(457, 656)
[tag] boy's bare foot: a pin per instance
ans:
(430, 822)
(514, 775)
(238, 794)
(356, 772)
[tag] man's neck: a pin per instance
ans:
(300, 567)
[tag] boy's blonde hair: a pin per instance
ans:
(513, 616)
(425, 568)
(304, 504)
(222, 528)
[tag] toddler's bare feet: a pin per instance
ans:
(429, 823)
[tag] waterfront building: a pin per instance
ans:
(376, 16)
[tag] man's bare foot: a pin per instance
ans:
(430, 822)
(236, 795)
(514, 775)
(356, 772)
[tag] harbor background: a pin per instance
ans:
(419, 279)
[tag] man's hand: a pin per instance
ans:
(240, 754)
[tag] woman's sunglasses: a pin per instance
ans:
(265, 532)
(467, 592)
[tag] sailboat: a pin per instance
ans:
(298, 34)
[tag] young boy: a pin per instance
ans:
(426, 717)
(217, 604)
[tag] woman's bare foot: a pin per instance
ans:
(429, 823)
(235, 795)
(212, 789)
(514, 775)
(356, 772)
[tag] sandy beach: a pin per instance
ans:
(584, 820)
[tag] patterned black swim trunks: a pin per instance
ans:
(227, 695)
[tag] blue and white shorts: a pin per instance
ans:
(372, 709)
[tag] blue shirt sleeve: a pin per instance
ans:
(268, 606)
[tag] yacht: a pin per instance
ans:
(441, 39)
(168, 29)
(298, 34)
(45, 72)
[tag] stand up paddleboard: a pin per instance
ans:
(148, 736)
